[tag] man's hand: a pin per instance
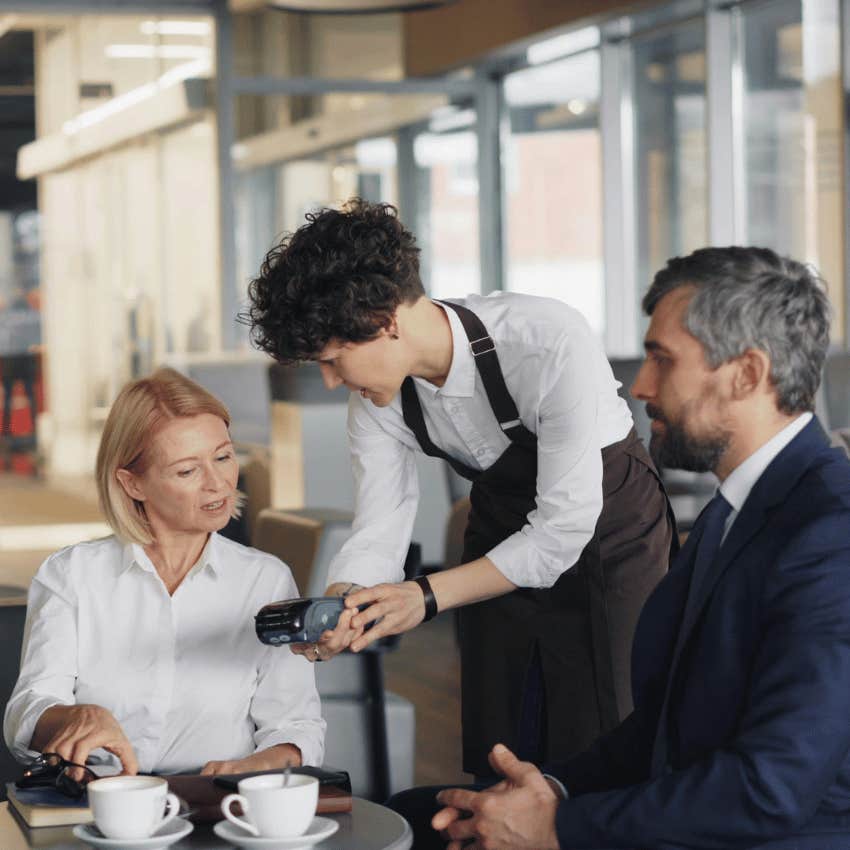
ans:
(332, 642)
(272, 758)
(399, 607)
(79, 729)
(518, 813)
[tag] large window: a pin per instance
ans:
(424, 162)
(274, 199)
(552, 181)
(670, 146)
(442, 185)
(793, 190)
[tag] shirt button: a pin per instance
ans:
(480, 452)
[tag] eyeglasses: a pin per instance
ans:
(50, 770)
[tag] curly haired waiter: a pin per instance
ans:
(569, 529)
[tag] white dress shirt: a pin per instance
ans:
(562, 384)
(184, 675)
(737, 485)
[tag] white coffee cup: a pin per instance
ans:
(131, 806)
(274, 809)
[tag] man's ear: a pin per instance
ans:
(130, 483)
(752, 373)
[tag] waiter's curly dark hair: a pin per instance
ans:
(340, 277)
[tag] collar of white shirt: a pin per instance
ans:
(135, 556)
(742, 479)
(460, 382)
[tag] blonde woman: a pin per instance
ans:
(140, 647)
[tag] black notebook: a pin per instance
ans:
(326, 776)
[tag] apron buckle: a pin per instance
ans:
(477, 349)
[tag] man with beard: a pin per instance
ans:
(740, 735)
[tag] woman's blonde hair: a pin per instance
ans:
(138, 412)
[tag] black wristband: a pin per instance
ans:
(430, 599)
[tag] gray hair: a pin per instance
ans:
(753, 298)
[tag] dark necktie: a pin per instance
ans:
(710, 527)
(713, 522)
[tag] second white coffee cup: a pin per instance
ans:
(274, 809)
(131, 806)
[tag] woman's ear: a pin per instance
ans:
(130, 483)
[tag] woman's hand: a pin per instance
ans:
(397, 608)
(273, 758)
(332, 641)
(73, 731)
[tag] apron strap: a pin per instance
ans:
(411, 410)
(487, 362)
(502, 404)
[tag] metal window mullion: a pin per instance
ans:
(225, 138)
(724, 91)
(312, 86)
(488, 102)
(845, 79)
(109, 7)
(618, 192)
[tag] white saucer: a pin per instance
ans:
(319, 830)
(173, 831)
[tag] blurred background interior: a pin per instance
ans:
(151, 152)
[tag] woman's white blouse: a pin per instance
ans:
(184, 675)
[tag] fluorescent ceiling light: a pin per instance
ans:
(377, 153)
(156, 51)
(430, 150)
(175, 28)
(555, 82)
(186, 71)
(331, 7)
(455, 119)
(562, 45)
(175, 75)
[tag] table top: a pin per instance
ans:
(368, 827)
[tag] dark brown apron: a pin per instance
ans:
(545, 671)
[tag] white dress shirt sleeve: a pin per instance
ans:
(48, 657)
(569, 469)
(285, 707)
(386, 493)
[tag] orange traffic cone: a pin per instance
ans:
(21, 418)
(22, 463)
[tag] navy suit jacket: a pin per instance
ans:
(759, 715)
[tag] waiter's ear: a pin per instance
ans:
(391, 330)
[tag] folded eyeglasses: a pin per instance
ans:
(50, 770)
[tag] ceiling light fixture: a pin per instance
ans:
(198, 68)
(339, 7)
(562, 45)
(455, 120)
(156, 51)
(175, 27)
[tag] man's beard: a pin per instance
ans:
(674, 448)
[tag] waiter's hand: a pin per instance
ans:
(332, 641)
(519, 812)
(398, 607)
